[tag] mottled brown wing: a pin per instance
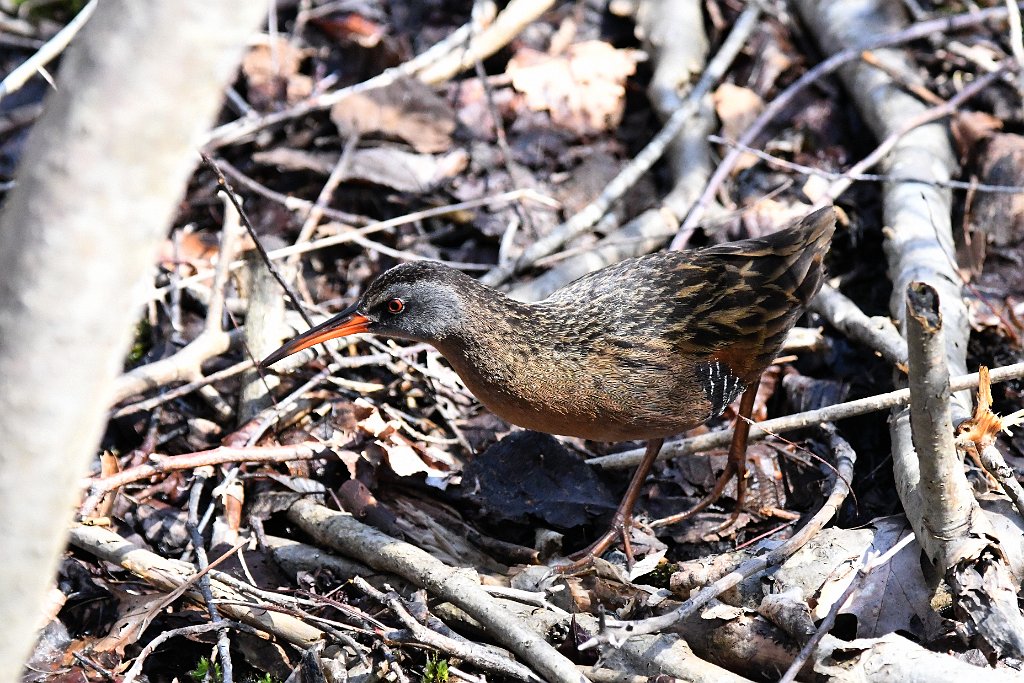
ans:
(741, 314)
(713, 318)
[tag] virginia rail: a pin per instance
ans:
(641, 350)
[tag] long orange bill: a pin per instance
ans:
(345, 323)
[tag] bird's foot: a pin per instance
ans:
(620, 528)
(731, 471)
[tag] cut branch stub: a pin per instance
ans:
(947, 496)
(949, 524)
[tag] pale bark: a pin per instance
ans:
(919, 247)
(100, 179)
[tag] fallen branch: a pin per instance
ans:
(947, 505)
(919, 239)
(953, 531)
(366, 544)
(649, 655)
(184, 366)
(877, 333)
(170, 575)
(788, 423)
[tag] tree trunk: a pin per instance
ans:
(101, 176)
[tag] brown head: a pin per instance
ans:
(421, 301)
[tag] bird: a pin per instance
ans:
(642, 349)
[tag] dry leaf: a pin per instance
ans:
(273, 75)
(403, 456)
(737, 108)
(406, 109)
(232, 497)
(406, 458)
(353, 28)
(987, 310)
(195, 250)
(388, 166)
(582, 90)
(136, 613)
(406, 171)
(895, 597)
(994, 158)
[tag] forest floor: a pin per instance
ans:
(526, 145)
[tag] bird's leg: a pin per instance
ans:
(623, 518)
(735, 467)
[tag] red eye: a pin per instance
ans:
(396, 306)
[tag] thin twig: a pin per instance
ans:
(476, 655)
(316, 211)
(192, 523)
(53, 47)
(228, 248)
(902, 78)
(788, 165)
(499, 131)
(995, 464)
(1016, 40)
(136, 668)
(183, 390)
(233, 198)
(482, 44)
(176, 463)
(289, 202)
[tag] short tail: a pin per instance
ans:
(766, 283)
(802, 247)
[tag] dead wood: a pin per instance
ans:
(787, 423)
(951, 527)
(175, 576)
(366, 544)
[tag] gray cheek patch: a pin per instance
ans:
(720, 385)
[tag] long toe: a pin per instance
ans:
(582, 559)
